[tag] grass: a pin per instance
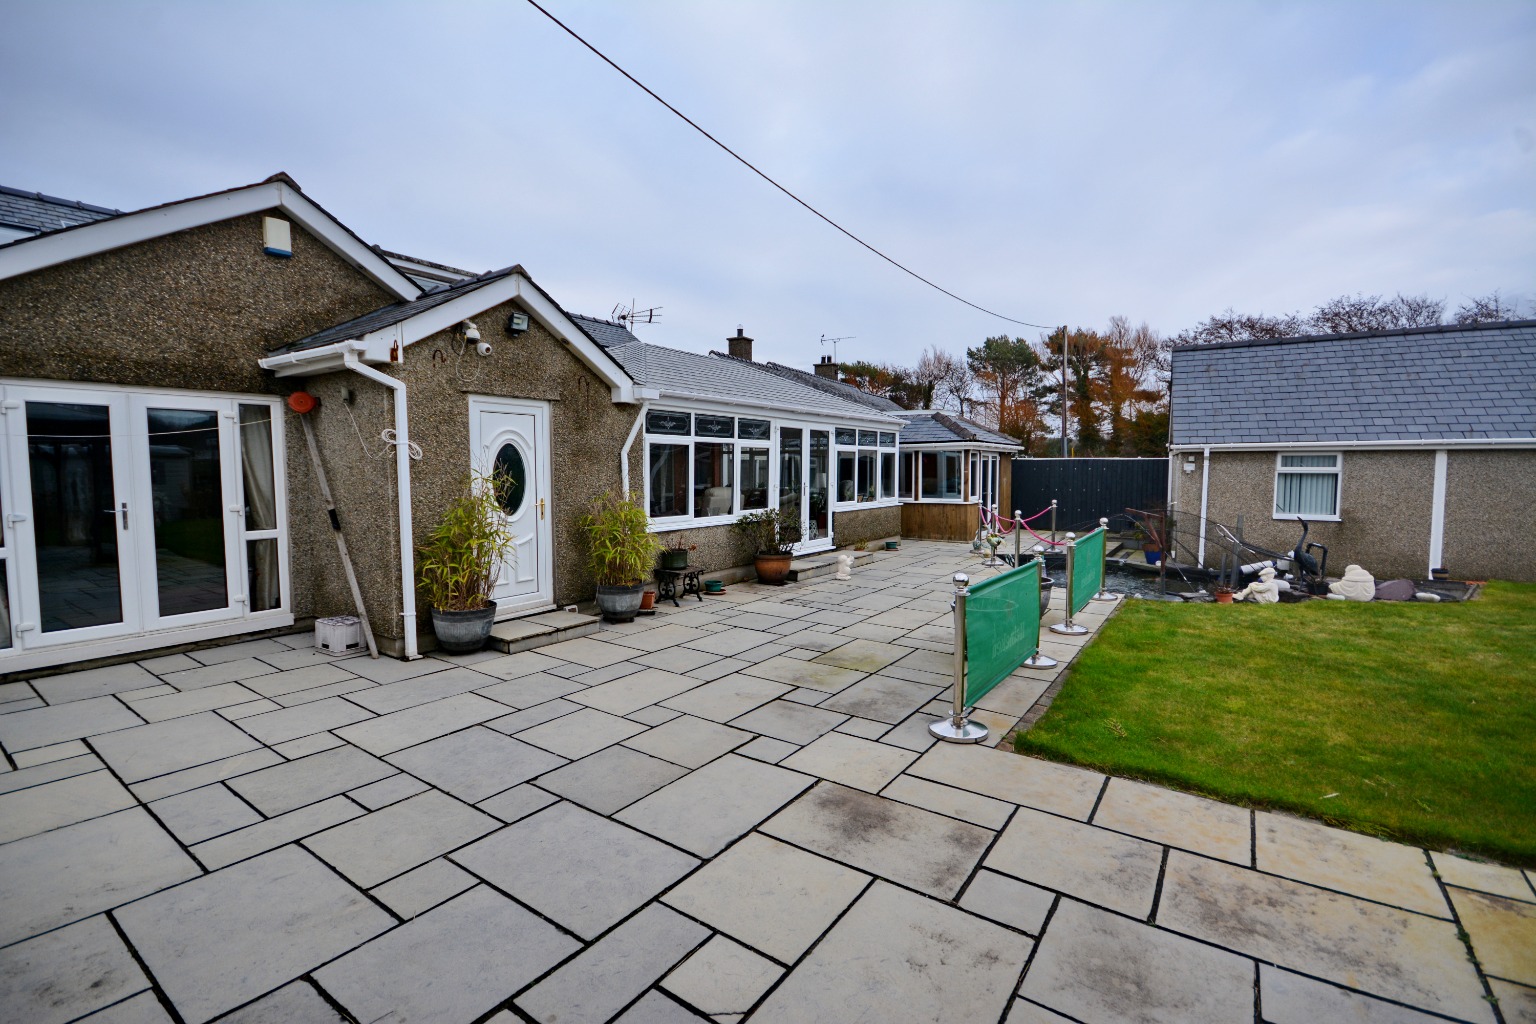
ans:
(1411, 721)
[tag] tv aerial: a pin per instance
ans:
(629, 316)
(833, 342)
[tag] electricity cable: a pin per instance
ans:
(751, 167)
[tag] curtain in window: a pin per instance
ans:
(1307, 494)
(260, 504)
(5, 611)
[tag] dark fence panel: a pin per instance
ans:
(1088, 489)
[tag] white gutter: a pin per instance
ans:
(1205, 491)
(1453, 442)
(629, 442)
(402, 494)
(784, 411)
(1437, 517)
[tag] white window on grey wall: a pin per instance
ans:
(1307, 485)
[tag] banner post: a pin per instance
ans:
(1104, 593)
(957, 729)
(1053, 521)
(1038, 660)
(1067, 627)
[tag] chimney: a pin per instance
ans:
(740, 346)
(826, 368)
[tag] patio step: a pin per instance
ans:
(535, 631)
(802, 569)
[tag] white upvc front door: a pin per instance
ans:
(512, 437)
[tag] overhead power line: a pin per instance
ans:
(753, 168)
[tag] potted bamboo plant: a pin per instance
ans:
(622, 551)
(457, 568)
(772, 535)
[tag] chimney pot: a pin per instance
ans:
(740, 346)
(826, 368)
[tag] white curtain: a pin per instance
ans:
(260, 504)
(1306, 494)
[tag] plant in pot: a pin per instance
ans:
(675, 554)
(457, 568)
(622, 551)
(772, 535)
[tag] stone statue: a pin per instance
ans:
(1357, 585)
(1263, 590)
(845, 567)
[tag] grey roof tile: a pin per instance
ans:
(35, 212)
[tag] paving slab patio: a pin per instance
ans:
(733, 809)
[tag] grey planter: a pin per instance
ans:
(619, 604)
(463, 632)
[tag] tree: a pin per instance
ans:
(1008, 371)
(949, 378)
(885, 381)
(1345, 315)
(1483, 309)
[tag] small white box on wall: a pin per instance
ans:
(339, 634)
(276, 237)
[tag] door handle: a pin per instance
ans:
(113, 512)
(541, 508)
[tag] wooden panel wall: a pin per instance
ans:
(939, 520)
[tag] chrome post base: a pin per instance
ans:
(1038, 660)
(966, 732)
(1069, 628)
(1105, 595)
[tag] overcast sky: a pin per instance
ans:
(1058, 163)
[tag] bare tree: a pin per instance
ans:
(954, 385)
(1233, 326)
(1350, 315)
(1482, 309)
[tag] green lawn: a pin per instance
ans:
(1411, 721)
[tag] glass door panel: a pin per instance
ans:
(819, 474)
(187, 484)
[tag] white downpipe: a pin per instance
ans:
(629, 442)
(403, 494)
(1205, 493)
(1437, 516)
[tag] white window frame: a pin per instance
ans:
(1336, 471)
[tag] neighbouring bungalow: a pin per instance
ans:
(157, 490)
(1407, 451)
(949, 467)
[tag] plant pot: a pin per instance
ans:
(674, 558)
(648, 600)
(1223, 595)
(892, 545)
(1152, 556)
(619, 604)
(714, 586)
(772, 569)
(463, 632)
(1046, 586)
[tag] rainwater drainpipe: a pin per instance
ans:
(402, 445)
(629, 443)
(1205, 491)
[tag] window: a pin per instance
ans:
(668, 476)
(887, 474)
(940, 476)
(714, 478)
(847, 487)
(866, 475)
(753, 430)
(906, 474)
(1307, 485)
(754, 478)
(659, 422)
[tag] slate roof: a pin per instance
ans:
(1449, 382)
(394, 313)
(716, 377)
(931, 426)
(832, 387)
(35, 212)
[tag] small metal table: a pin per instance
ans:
(668, 581)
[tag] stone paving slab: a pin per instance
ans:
(614, 970)
(1008, 901)
(70, 873)
(94, 682)
(274, 832)
(1177, 819)
(1142, 973)
(449, 966)
(150, 750)
(723, 978)
(67, 974)
(1292, 999)
(1516, 1002)
(1503, 933)
(294, 1003)
(143, 1008)
(916, 848)
(704, 811)
(851, 761)
(1484, 877)
(899, 957)
(52, 752)
(788, 721)
(727, 697)
(538, 714)
(611, 779)
(581, 733)
(634, 691)
(399, 837)
(205, 774)
(408, 693)
(1019, 780)
(41, 727)
(421, 889)
(389, 733)
(956, 803)
(1378, 949)
(309, 779)
(387, 791)
(304, 719)
(277, 917)
(1348, 861)
(517, 803)
(475, 763)
(578, 868)
(28, 812)
(882, 698)
(177, 705)
(201, 814)
(688, 741)
(1092, 864)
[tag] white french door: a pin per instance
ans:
(804, 483)
(512, 438)
(129, 514)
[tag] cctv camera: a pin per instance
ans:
(471, 332)
(484, 348)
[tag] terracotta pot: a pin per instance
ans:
(1223, 595)
(648, 600)
(772, 569)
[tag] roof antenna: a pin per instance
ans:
(833, 341)
(629, 316)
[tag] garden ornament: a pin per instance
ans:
(1263, 590)
(1357, 585)
(845, 567)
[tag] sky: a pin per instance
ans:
(1058, 163)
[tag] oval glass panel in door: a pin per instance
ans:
(511, 479)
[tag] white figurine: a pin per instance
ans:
(1357, 585)
(845, 567)
(1263, 590)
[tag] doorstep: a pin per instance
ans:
(802, 569)
(541, 630)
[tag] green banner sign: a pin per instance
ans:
(1087, 569)
(1002, 627)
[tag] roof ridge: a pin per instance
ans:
(1384, 332)
(74, 204)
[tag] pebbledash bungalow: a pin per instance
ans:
(157, 490)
